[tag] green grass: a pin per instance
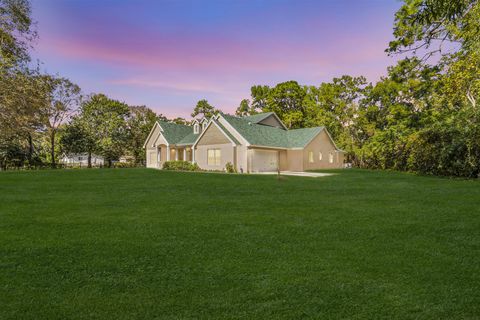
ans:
(144, 244)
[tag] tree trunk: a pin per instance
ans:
(52, 150)
(89, 159)
(30, 147)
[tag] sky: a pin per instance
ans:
(168, 54)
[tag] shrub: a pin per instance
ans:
(230, 168)
(180, 165)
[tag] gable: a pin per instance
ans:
(271, 121)
(213, 135)
(267, 119)
(160, 140)
(323, 141)
(152, 137)
(299, 138)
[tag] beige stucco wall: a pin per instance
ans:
(213, 135)
(282, 155)
(322, 143)
(227, 155)
(151, 151)
(294, 160)
(151, 158)
(157, 143)
(241, 149)
(214, 138)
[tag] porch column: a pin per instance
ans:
(176, 154)
(168, 153)
(185, 154)
(193, 154)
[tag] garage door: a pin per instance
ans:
(265, 160)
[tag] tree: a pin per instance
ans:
(16, 32)
(101, 123)
(421, 24)
(179, 120)
(23, 94)
(335, 105)
(204, 109)
(76, 139)
(244, 108)
(140, 121)
(64, 100)
(286, 99)
(259, 96)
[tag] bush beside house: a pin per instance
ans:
(180, 165)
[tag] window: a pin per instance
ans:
(310, 156)
(204, 125)
(330, 157)
(320, 156)
(195, 128)
(159, 155)
(213, 157)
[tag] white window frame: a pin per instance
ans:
(196, 128)
(204, 125)
(330, 157)
(320, 156)
(217, 159)
(310, 157)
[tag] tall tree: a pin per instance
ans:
(259, 94)
(244, 108)
(76, 138)
(16, 32)
(23, 93)
(64, 100)
(423, 26)
(140, 121)
(286, 99)
(204, 109)
(102, 120)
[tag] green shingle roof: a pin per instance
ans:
(261, 135)
(174, 132)
(256, 118)
(255, 134)
(299, 138)
(227, 132)
(188, 140)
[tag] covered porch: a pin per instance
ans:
(173, 153)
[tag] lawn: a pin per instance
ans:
(144, 244)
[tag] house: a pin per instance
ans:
(126, 159)
(254, 143)
(81, 159)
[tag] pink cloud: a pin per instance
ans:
(178, 86)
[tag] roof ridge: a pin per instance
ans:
(316, 127)
(173, 123)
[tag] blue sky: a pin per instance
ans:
(169, 54)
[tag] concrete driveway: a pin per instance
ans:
(299, 174)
